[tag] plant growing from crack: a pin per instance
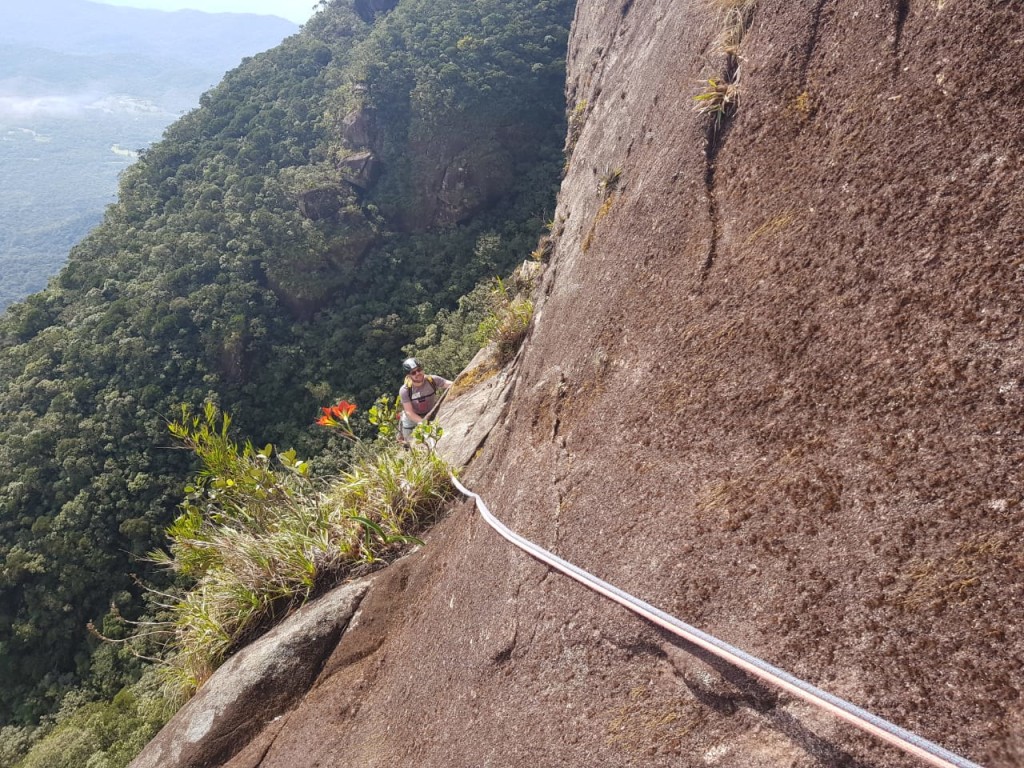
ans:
(719, 96)
(737, 15)
(719, 99)
(507, 322)
(609, 181)
(577, 118)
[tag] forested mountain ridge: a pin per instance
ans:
(278, 247)
(88, 29)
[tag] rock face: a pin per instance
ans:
(450, 179)
(360, 169)
(368, 10)
(775, 386)
(357, 128)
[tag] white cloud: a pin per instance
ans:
(15, 104)
(120, 151)
(37, 137)
(23, 107)
(297, 11)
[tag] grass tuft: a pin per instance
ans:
(508, 321)
(719, 96)
(719, 99)
(609, 182)
(736, 18)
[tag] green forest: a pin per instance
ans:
(84, 85)
(276, 251)
(40, 220)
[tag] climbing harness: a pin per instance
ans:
(909, 742)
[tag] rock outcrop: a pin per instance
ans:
(254, 687)
(775, 386)
(357, 128)
(360, 169)
(368, 10)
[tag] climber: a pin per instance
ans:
(418, 396)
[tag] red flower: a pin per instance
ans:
(337, 416)
(344, 409)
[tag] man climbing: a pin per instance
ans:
(418, 396)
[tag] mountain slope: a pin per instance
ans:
(274, 252)
(84, 86)
(775, 386)
(218, 40)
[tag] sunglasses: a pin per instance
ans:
(414, 371)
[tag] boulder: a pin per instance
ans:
(253, 687)
(321, 203)
(360, 169)
(357, 128)
(474, 406)
(469, 184)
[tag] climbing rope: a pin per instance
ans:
(909, 742)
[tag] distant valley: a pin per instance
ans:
(83, 88)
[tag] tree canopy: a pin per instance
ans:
(275, 251)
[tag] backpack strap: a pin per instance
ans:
(417, 400)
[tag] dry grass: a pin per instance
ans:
(474, 376)
(645, 720)
(606, 206)
(770, 227)
(609, 181)
(736, 17)
(939, 582)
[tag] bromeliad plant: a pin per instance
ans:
(719, 99)
(257, 535)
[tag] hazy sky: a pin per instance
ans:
(293, 10)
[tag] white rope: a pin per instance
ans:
(909, 742)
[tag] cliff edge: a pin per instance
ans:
(774, 386)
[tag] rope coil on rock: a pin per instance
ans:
(909, 742)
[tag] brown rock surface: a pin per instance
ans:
(775, 386)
